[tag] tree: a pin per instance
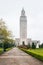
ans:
(41, 46)
(6, 35)
(4, 30)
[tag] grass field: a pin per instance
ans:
(9, 49)
(1, 51)
(37, 53)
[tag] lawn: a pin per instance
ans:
(9, 49)
(1, 51)
(37, 53)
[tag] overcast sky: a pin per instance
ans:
(10, 11)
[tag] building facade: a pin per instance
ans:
(23, 27)
(23, 31)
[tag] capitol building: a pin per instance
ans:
(23, 32)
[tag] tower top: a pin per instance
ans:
(23, 12)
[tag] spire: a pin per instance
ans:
(23, 12)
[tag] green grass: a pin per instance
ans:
(8, 49)
(37, 53)
(1, 51)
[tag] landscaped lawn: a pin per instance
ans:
(9, 49)
(1, 51)
(37, 53)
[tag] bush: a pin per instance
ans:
(1, 45)
(7, 45)
(41, 46)
(33, 46)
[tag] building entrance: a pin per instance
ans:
(23, 43)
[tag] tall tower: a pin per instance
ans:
(23, 27)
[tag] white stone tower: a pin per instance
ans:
(23, 32)
(23, 28)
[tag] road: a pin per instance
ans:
(17, 57)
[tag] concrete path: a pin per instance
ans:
(18, 57)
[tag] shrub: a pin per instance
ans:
(7, 45)
(41, 46)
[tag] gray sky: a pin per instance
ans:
(10, 11)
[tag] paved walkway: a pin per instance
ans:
(18, 57)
